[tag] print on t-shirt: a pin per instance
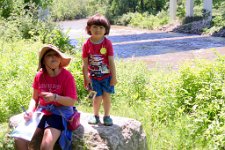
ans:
(49, 87)
(97, 66)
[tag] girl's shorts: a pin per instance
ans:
(53, 121)
(102, 85)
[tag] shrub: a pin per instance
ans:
(56, 37)
(144, 20)
(187, 20)
(18, 67)
(68, 10)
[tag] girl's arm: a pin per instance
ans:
(112, 68)
(32, 105)
(52, 97)
(34, 101)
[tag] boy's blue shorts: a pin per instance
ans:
(102, 85)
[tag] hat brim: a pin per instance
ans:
(65, 60)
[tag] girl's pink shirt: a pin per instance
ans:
(63, 84)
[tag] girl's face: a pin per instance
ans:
(97, 31)
(52, 60)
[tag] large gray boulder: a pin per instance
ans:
(125, 134)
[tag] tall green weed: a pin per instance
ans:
(18, 67)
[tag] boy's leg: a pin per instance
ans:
(106, 103)
(96, 107)
(97, 104)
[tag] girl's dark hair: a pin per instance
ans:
(42, 60)
(99, 20)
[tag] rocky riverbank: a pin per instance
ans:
(196, 27)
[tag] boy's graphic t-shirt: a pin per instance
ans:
(98, 62)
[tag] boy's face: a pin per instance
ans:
(97, 31)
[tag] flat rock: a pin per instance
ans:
(125, 134)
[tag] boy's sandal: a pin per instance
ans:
(107, 121)
(94, 120)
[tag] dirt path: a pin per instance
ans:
(156, 48)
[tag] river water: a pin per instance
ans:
(154, 47)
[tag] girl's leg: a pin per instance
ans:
(106, 103)
(21, 144)
(50, 137)
(97, 104)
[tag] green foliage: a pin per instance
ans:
(131, 88)
(144, 20)
(6, 8)
(120, 7)
(181, 109)
(201, 95)
(17, 70)
(65, 9)
(187, 20)
(196, 94)
(181, 9)
(68, 10)
(98, 6)
(218, 21)
(218, 24)
(40, 3)
(76, 69)
(23, 23)
(6, 143)
(57, 38)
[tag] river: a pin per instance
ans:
(156, 48)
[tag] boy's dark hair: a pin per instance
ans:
(99, 20)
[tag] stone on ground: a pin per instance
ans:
(125, 134)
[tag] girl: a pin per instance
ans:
(54, 92)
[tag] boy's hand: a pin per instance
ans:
(87, 83)
(113, 82)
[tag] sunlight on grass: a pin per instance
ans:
(178, 109)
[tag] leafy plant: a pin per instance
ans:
(58, 38)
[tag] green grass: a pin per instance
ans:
(179, 110)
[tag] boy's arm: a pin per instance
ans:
(112, 68)
(85, 71)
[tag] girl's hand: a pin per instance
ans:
(27, 115)
(48, 97)
(113, 82)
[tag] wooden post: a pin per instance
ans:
(208, 7)
(189, 8)
(173, 9)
